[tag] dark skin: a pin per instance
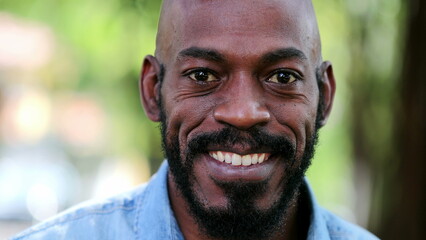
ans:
(243, 64)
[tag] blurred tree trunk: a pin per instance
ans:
(406, 217)
(371, 110)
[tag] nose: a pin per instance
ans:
(243, 107)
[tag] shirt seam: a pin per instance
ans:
(139, 204)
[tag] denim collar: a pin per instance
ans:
(155, 218)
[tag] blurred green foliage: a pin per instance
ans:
(101, 45)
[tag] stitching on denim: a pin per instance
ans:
(143, 195)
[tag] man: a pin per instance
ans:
(241, 91)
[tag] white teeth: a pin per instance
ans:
(228, 158)
(254, 159)
(238, 160)
(261, 158)
(220, 156)
(246, 160)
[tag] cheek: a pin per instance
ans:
(299, 118)
(185, 116)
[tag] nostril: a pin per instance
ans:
(242, 115)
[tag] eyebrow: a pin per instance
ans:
(204, 53)
(283, 53)
(268, 58)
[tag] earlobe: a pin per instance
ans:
(328, 89)
(149, 86)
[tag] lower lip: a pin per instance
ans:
(225, 172)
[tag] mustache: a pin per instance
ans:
(254, 138)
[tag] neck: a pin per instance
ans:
(292, 228)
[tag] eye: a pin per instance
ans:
(202, 76)
(283, 77)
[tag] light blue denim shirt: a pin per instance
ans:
(145, 213)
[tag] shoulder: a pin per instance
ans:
(326, 225)
(103, 219)
(340, 229)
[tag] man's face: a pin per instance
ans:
(239, 104)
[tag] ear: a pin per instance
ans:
(149, 86)
(328, 90)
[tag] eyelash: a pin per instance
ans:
(287, 71)
(206, 70)
(297, 76)
(189, 72)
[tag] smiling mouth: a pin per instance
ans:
(239, 160)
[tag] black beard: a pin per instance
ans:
(241, 219)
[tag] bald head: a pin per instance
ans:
(183, 20)
(239, 75)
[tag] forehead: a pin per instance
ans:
(242, 28)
